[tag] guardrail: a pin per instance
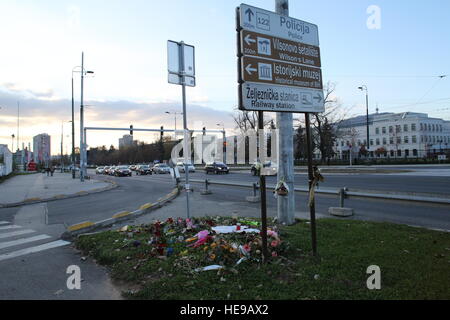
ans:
(342, 193)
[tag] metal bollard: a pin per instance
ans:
(341, 197)
(206, 191)
(255, 197)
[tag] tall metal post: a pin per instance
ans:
(285, 204)
(62, 139)
(312, 207)
(186, 149)
(367, 118)
(81, 122)
(262, 183)
(73, 134)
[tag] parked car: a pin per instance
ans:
(122, 171)
(161, 168)
(180, 166)
(106, 169)
(216, 167)
(269, 168)
(99, 170)
(111, 171)
(132, 167)
(144, 170)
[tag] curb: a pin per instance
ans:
(88, 226)
(61, 196)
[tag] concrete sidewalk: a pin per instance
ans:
(31, 188)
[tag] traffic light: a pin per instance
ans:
(131, 129)
(204, 131)
(162, 132)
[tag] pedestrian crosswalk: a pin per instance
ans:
(16, 241)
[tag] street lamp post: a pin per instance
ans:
(82, 145)
(224, 146)
(364, 88)
(175, 117)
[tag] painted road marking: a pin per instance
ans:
(15, 233)
(18, 253)
(23, 240)
(10, 227)
(4, 222)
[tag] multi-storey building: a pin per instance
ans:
(392, 135)
(41, 149)
(126, 141)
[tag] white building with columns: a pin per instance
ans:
(392, 135)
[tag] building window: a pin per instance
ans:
(406, 139)
(377, 130)
(429, 127)
(384, 141)
(421, 127)
(383, 130)
(371, 142)
(413, 127)
(415, 153)
(391, 129)
(440, 127)
(414, 139)
(359, 143)
(392, 153)
(378, 141)
(391, 140)
(399, 153)
(398, 128)
(399, 140)
(433, 127)
(405, 128)
(406, 153)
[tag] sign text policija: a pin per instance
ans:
(279, 63)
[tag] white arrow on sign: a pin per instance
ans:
(249, 69)
(249, 40)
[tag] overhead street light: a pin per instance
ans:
(364, 88)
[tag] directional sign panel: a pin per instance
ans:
(270, 23)
(263, 97)
(279, 62)
(280, 73)
(261, 45)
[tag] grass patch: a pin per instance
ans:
(414, 263)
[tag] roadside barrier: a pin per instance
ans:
(345, 193)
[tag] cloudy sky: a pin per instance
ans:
(125, 44)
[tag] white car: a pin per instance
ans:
(99, 170)
(180, 166)
(161, 168)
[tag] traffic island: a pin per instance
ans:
(161, 262)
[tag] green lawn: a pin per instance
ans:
(414, 263)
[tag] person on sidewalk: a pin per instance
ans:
(52, 169)
(48, 171)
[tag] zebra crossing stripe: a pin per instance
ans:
(17, 242)
(35, 249)
(15, 233)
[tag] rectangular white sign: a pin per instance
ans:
(265, 97)
(270, 23)
(174, 63)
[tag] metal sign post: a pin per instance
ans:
(181, 69)
(262, 183)
(279, 70)
(312, 206)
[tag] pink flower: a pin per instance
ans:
(271, 233)
(274, 243)
(246, 247)
(274, 254)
